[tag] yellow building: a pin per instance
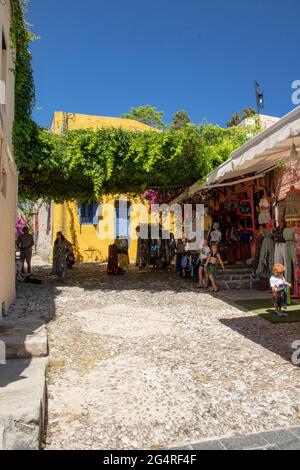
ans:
(91, 228)
(63, 122)
(8, 174)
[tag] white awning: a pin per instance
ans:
(259, 155)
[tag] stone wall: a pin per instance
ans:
(44, 234)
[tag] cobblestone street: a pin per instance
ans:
(146, 360)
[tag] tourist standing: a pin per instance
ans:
(25, 243)
(214, 258)
(201, 262)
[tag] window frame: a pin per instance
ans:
(88, 213)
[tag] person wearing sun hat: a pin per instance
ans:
(278, 285)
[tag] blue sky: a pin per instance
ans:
(105, 56)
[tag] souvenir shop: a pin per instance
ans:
(253, 203)
(258, 224)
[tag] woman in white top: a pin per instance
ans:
(201, 261)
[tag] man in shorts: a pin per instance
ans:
(25, 243)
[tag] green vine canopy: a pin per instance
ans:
(85, 164)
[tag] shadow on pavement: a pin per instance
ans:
(277, 338)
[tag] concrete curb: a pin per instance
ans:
(22, 403)
(24, 343)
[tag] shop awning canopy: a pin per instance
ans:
(259, 155)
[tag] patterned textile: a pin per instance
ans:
(278, 236)
(143, 253)
(279, 256)
(112, 266)
(60, 251)
(215, 236)
(289, 236)
(123, 262)
(266, 259)
(289, 255)
(264, 217)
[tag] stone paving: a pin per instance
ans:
(281, 439)
(146, 360)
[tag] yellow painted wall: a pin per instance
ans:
(73, 121)
(85, 237)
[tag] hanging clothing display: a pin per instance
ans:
(153, 249)
(112, 267)
(60, 252)
(179, 248)
(155, 252)
(258, 238)
(215, 235)
(290, 244)
(280, 255)
(264, 214)
(143, 253)
(123, 262)
(266, 259)
(122, 253)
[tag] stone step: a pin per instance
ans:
(22, 403)
(238, 271)
(224, 276)
(238, 284)
(237, 266)
(25, 342)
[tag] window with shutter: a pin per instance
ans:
(88, 213)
